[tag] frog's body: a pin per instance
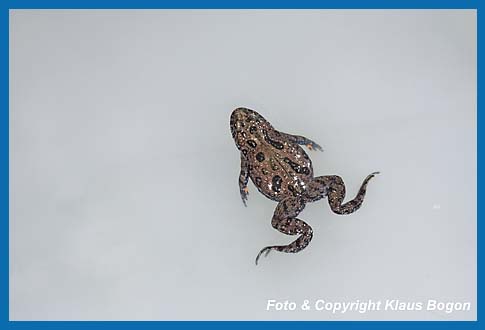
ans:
(283, 172)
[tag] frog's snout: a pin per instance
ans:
(238, 114)
(238, 117)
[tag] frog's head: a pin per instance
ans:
(243, 124)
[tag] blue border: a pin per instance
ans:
(250, 4)
(208, 4)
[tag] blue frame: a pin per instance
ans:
(195, 4)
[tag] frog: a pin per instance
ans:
(282, 171)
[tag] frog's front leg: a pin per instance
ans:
(243, 179)
(301, 140)
(333, 187)
(284, 220)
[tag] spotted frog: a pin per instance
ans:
(282, 171)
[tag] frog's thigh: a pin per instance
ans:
(285, 221)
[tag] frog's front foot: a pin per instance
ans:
(244, 194)
(266, 251)
(303, 141)
(313, 146)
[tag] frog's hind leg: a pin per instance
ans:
(284, 220)
(301, 140)
(333, 187)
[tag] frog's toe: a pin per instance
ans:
(373, 174)
(244, 195)
(314, 146)
(264, 251)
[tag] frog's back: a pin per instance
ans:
(278, 167)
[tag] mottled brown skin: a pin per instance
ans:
(283, 172)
